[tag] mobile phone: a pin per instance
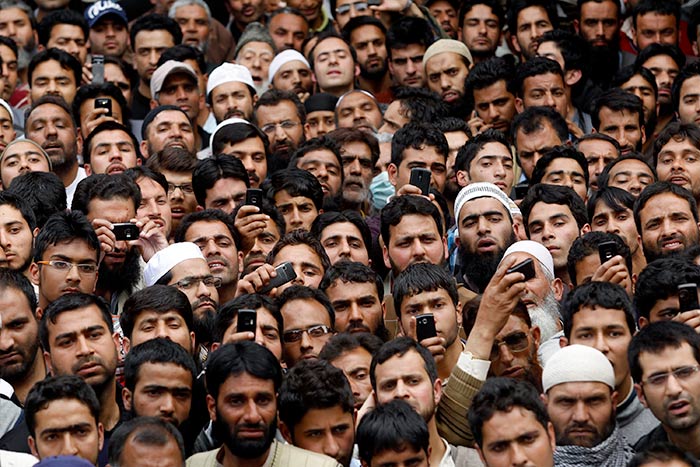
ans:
(125, 231)
(425, 327)
(374, 2)
(527, 268)
(521, 190)
(688, 297)
(246, 321)
(285, 273)
(253, 197)
(606, 251)
(98, 69)
(104, 103)
(421, 178)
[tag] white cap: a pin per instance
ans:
(481, 190)
(283, 58)
(9, 110)
(534, 249)
(168, 258)
(227, 122)
(229, 73)
(577, 364)
(165, 70)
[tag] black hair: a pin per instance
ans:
(108, 126)
(296, 182)
(57, 17)
(126, 69)
(173, 159)
(156, 298)
(604, 177)
(450, 124)
(660, 279)
(155, 22)
(335, 217)
(469, 151)
(208, 215)
(300, 237)
(237, 132)
(315, 144)
(554, 194)
(145, 431)
(661, 7)
(153, 113)
(213, 169)
(182, 52)
(300, 292)
(10, 43)
(533, 119)
(140, 171)
(677, 132)
(417, 135)
(65, 227)
(406, 31)
(322, 36)
(691, 70)
(597, 294)
(615, 198)
(273, 97)
(346, 342)
(587, 245)
(43, 192)
(652, 50)
(518, 5)
(489, 72)
(401, 206)
(423, 277)
(13, 200)
(658, 188)
(358, 22)
(64, 59)
(342, 136)
(105, 187)
(95, 90)
(534, 67)
(67, 303)
(48, 99)
(626, 73)
(420, 104)
(662, 453)
(575, 50)
(617, 100)
(229, 311)
(495, 6)
(351, 271)
(238, 358)
(158, 350)
(11, 279)
(599, 137)
(399, 346)
(563, 151)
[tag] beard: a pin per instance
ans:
(546, 316)
(459, 108)
(480, 268)
(203, 323)
(655, 251)
(244, 448)
(607, 63)
(375, 73)
(124, 277)
(355, 197)
(18, 371)
(102, 382)
(597, 435)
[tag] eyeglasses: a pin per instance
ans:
(358, 6)
(191, 282)
(186, 188)
(294, 335)
(66, 266)
(516, 342)
(286, 125)
(681, 374)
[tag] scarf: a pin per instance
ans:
(613, 452)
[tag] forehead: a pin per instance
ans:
(150, 187)
(293, 65)
(493, 149)
(444, 59)
(111, 136)
(354, 99)
(256, 47)
(425, 296)
(12, 13)
(409, 362)
(288, 19)
(77, 319)
(63, 29)
(51, 111)
(304, 312)
(630, 165)
(532, 13)
(189, 268)
(544, 79)
(661, 60)
(608, 116)
(332, 43)
(340, 228)
(365, 31)
(596, 316)
(542, 209)
(169, 116)
(204, 227)
(680, 144)
(479, 9)
(596, 146)
(667, 358)
(637, 80)
(21, 148)
(409, 222)
(9, 213)
(192, 10)
(579, 389)
(480, 205)
(560, 163)
(154, 38)
(301, 252)
(284, 110)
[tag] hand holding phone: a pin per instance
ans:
(126, 231)
(98, 69)
(421, 178)
(425, 327)
(285, 273)
(606, 251)
(254, 197)
(527, 268)
(688, 297)
(247, 321)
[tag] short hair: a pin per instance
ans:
(587, 245)
(208, 215)
(617, 100)
(53, 388)
(489, 72)
(574, 49)
(158, 350)
(536, 66)
(564, 151)
(67, 303)
(229, 311)
(309, 385)
(13, 200)
(300, 237)
(417, 135)
(657, 337)
(347, 342)
(358, 22)
(518, 5)
(57, 17)
(42, 191)
(95, 90)
(352, 135)
(420, 104)
(64, 227)
(351, 271)
(238, 358)
(662, 453)
(495, 6)
(153, 113)
(471, 149)
(321, 143)
(597, 294)
(300, 292)
(335, 217)
(652, 50)
(663, 8)
(138, 172)
(533, 119)
(615, 198)
(604, 177)
(599, 137)
(391, 427)
(554, 194)
(11, 279)
(660, 279)
(155, 22)
(211, 170)
(408, 30)
(146, 431)
(626, 73)
(400, 206)
(48, 99)
(156, 298)
(237, 132)
(423, 277)
(105, 187)
(501, 394)
(108, 126)
(691, 70)
(173, 159)
(183, 52)
(451, 124)
(296, 182)
(10, 43)
(64, 59)
(273, 97)
(677, 132)
(658, 188)
(399, 346)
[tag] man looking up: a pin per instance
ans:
(334, 63)
(446, 65)
(367, 36)
(480, 24)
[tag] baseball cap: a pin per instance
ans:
(100, 9)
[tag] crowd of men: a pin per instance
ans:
(349, 233)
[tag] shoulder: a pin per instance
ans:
(286, 454)
(203, 459)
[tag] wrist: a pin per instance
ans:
(407, 6)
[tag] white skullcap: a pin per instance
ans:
(481, 190)
(284, 57)
(534, 249)
(577, 363)
(7, 107)
(230, 73)
(167, 69)
(227, 122)
(168, 258)
(447, 45)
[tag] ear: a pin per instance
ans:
(643, 322)
(34, 273)
(307, 131)
(32, 446)
(558, 288)
(126, 345)
(552, 436)
(393, 171)
(126, 399)
(437, 389)
(211, 408)
(614, 396)
(154, 104)
(38, 313)
(88, 169)
(458, 310)
(357, 70)
(644, 136)
(640, 394)
(576, 25)
(193, 340)
(514, 42)
(284, 431)
(572, 77)
(633, 35)
(118, 343)
(385, 254)
(563, 341)
(215, 346)
(462, 178)
(144, 149)
(536, 335)
(100, 435)
(519, 105)
(481, 454)
(47, 363)
(696, 51)
(585, 229)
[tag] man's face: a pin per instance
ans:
(446, 73)
(343, 241)
(624, 127)
(485, 227)
(195, 25)
(264, 243)
(665, 70)
(406, 66)
(232, 99)
(565, 171)
(495, 105)
(455, 140)
(546, 90)
(88, 106)
(493, 164)
(288, 31)
(519, 359)
(345, 10)
(370, 44)
(169, 129)
(311, 9)
(110, 36)
(181, 90)
(257, 56)
(180, 195)
(481, 31)
(319, 123)
(532, 147)
(689, 103)
(554, 226)
(358, 110)
(598, 154)
(307, 265)
(53, 283)
(447, 16)
(267, 333)
(299, 212)
(170, 325)
(406, 455)
(69, 38)
(678, 162)
(21, 158)
(355, 364)
(203, 298)
(357, 170)
(303, 315)
(9, 72)
(50, 78)
(135, 454)
(80, 434)
(551, 50)
(405, 377)
(80, 344)
(51, 127)
(148, 47)
(631, 175)
(643, 89)
(218, 247)
(252, 153)
(655, 28)
(394, 118)
(532, 23)
(162, 390)
(244, 12)
(668, 226)
(323, 164)
(329, 431)
(112, 152)
(154, 205)
(16, 239)
(334, 67)
(357, 306)
(282, 125)
(583, 413)
(17, 25)
(621, 223)
(599, 23)
(526, 441)
(113, 210)
(294, 76)
(426, 157)
(19, 336)
(606, 330)
(115, 75)
(414, 240)
(675, 402)
(447, 314)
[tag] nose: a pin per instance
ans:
(306, 341)
(601, 344)
(203, 290)
(344, 250)
(401, 390)
(355, 313)
(6, 341)
(354, 168)
(492, 113)
(330, 445)
(483, 225)
(210, 248)
(252, 415)
(622, 138)
(167, 407)
(69, 447)
(115, 153)
(411, 68)
(599, 29)
(418, 249)
(73, 275)
(161, 329)
(549, 100)
(371, 49)
(505, 354)
(295, 219)
(280, 135)
(673, 387)
(180, 93)
(83, 347)
(445, 82)
(153, 57)
(580, 413)
(518, 455)
(11, 30)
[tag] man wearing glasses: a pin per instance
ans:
(281, 116)
(663, 359)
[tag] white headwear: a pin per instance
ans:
(230, 73)
(535, 249)
(577, 363)
(168, 258)
(283, 58)
(482, 190)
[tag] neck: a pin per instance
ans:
(144, 89)
(67, 173)
(624, 389)
(376, 86)
(231, 460)
(639, 262)
(227, 292)
(661, 123)
(686, 440)
(36, 373)
(339, 91)
(203, 116)
(109, 410)
(449, 360)
(563, 274)
(437, 447)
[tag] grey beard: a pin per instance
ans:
(546, 316)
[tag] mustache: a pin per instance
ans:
(86, 360)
